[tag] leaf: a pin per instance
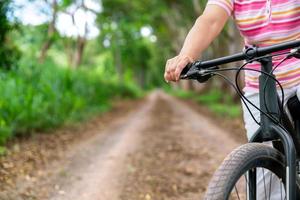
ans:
(66, 3)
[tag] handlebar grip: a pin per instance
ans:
(196, 71)
(185, 70)
(191, 71)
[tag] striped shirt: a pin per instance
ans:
(264, 23)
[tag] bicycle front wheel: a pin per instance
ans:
(231, 180)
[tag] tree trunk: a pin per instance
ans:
(178, 32)
(142, 76)
(51, 31)
(81, 42)
(118, 63)
(68, 45)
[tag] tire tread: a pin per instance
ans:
(233, 164)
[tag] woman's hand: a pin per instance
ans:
(174, 67)
(204, 31)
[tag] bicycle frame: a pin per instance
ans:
(269, 131)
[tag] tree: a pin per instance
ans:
(9, 53)
(51, 31)
(81, 37)
(120, 23)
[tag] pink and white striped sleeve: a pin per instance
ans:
(227, 5)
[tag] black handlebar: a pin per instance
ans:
(196, 69)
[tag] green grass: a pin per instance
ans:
(218, 102)
(42, 97)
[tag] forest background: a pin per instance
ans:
(66, 60)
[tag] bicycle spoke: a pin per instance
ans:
(237, 193)
(264, 183)
(280, 189)
(281, 184)
(271, 187)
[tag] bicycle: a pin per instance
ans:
(283, 159)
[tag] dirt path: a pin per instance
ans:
(163, 149)
(96, 167)
(180, 151)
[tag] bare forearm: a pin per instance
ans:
(204, 31)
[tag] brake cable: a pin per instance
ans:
(237, 87)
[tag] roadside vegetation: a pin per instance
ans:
(63, 61)
(215, 100)
(36, 98)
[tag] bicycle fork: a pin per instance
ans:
(269, 131)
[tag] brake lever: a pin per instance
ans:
(190, 71)
(185, 70)
(194, 71)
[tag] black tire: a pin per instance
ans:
(238, 162)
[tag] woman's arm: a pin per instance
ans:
(206, 28)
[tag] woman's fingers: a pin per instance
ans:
(166, 74)
(170, 69)
(175, 66)
(180, 66)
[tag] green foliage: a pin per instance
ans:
(42, 97)
(226, 110)
(220, 103)
(215, 100)
(38, 97)
(183, 94)
(5, 26)
(66, 3)
(211, 97)
(9, 53)
(121, 22)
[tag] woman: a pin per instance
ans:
(261, 23)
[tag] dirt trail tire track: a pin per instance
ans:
(162, 150)
(180, 151)
(97, 167)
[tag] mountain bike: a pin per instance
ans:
(236, 177)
